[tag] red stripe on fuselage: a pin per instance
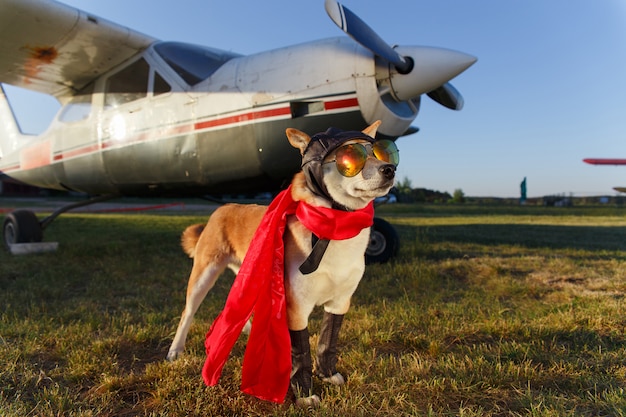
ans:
(341, 104)
(161, 133)
(76, 152)
(256, 115)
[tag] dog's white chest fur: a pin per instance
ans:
(335, 279)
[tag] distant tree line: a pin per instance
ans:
(405, 193)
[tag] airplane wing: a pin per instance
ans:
(55, 49)
(608, 161)
(605, 161)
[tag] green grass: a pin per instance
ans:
(502, 311)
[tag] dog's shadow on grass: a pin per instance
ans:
(134, 356)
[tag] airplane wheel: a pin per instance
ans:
(384, 242)
(21, 226)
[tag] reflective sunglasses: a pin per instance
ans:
(350, 159)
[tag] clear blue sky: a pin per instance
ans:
(548, 90)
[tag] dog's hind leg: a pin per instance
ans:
(327, 349)
(200, 282)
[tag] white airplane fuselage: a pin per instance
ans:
(140, 116)
(223, 134)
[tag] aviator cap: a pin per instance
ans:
(320, 146)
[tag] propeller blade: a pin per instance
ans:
(363, 34)
(410, 130)
(447, 96)
(418, 70)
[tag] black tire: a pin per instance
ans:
(384, 242)
(21, 226)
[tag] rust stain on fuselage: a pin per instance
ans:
(44, 54)
(38, 56)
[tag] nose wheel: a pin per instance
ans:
(21, 226)
(383, 244)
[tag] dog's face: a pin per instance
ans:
(355, 192)
(353, 188)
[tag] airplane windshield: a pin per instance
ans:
(193, 63)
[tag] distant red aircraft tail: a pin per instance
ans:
(605, 161)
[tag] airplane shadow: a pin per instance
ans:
(600, 240)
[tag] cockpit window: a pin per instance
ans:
(127, 85)
(79, 107)
(160, 85)
(193, 63)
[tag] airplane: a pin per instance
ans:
(145, 117)
(608, 161)
(605, 161)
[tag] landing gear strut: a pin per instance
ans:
(23, 226)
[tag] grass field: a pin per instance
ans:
(486, 311)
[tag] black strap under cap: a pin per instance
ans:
(312, 261)
(319, 147)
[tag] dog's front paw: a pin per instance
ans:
(308, 402)
(336, 379)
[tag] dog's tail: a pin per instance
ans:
(189, 238)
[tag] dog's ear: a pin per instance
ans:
(371, 129)
(298, 139)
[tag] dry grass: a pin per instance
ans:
(486, 311)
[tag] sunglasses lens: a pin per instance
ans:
(387, 151)
(350, 159)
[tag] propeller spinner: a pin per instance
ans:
(416, 70)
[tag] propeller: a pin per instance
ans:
(447, 96)
(419, 70)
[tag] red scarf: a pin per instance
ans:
(259, 288)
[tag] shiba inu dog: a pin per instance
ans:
(326, 232)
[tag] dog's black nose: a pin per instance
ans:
(388, 171)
